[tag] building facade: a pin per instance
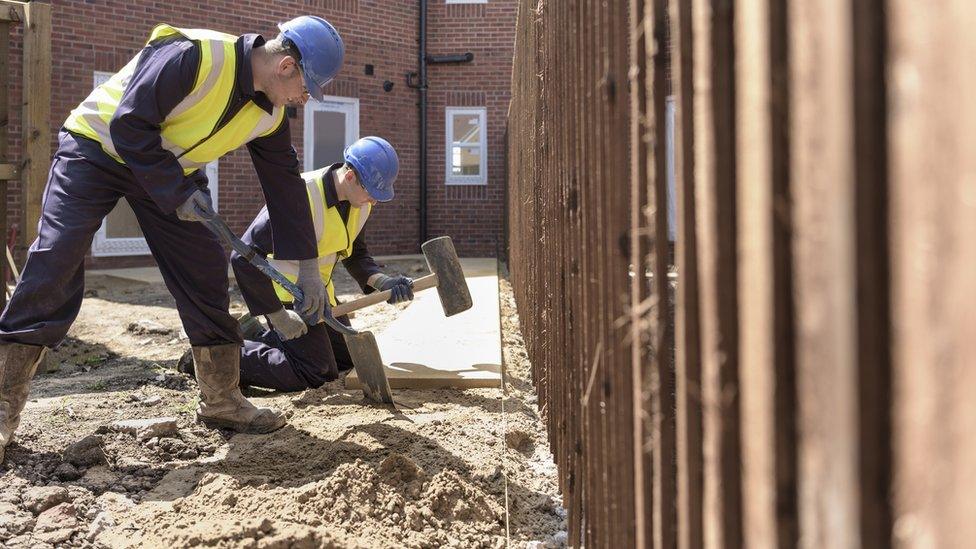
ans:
(373, 95)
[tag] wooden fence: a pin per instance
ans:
(798, 370)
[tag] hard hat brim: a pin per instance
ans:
(383, 196)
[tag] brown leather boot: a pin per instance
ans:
(217, 369)
(18, 363)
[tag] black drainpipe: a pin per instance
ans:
(421, 86)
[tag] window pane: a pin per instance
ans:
(330, 138)
(466, 129)
(122, 223)
(466, 160)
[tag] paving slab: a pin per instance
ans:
(423, 349)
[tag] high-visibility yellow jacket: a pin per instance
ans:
(190, 130)
(335, 238)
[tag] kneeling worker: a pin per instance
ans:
(293, 356)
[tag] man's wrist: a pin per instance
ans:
(378, 280)
(276, 314)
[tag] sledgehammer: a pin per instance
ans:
(219, 227)
(446, 275)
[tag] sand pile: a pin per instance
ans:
(356, 505)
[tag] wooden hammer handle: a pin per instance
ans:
(419, 284)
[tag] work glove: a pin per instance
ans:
(198, 207)
(401, 287)
(287, 323)
(316, 297)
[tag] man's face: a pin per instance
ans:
(358, 196)
(288, 87)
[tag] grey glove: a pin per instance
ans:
(401, 287)
(316, 298)
(196, 208)
(287, 323)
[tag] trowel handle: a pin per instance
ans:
(419, 284)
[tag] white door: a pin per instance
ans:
(120, 234)
(330, 126)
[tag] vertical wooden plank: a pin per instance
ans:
(823, 183)
(642, 124)
(755, 249)
(714, 95)
(574, 447)
(689, 465)
(602, 394)
(765, 277)
(36, 133)
(933, 219)
(784, 315)
(574, 384)
(577, 353)
(596, 496)
(624, 403)
(873, 271)
(588, 495)
(660, 379)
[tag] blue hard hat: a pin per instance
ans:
(376, 164)
(321, 49)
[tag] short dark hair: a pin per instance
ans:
(283, 46)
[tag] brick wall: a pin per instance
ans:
(471, 214)
(102, 35)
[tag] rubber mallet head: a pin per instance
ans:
(452, 288)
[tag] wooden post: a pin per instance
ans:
(688, 406)
(823, 189)
(36, 133)
(757, 342)
(873, 259)
(714, 157)
(765, 274)
(659, 379)
(640, 125)
(932, 83)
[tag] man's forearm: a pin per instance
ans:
(286, 195)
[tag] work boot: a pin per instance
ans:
(218, 373)
(252, 330)
(18, 363)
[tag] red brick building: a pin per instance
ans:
(93, 38)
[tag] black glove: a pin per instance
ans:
(400, 286)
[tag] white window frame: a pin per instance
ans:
(347, 105)
(102, 245)
(482, 177)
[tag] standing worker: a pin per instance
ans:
(189, 97)
(293, 356)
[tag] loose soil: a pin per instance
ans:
(446, 469)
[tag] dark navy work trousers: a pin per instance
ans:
(83, 186)
(305, 362)
(301, 363)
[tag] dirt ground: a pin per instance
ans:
(446, 469)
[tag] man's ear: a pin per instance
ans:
(287, 65)
(350, 177)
